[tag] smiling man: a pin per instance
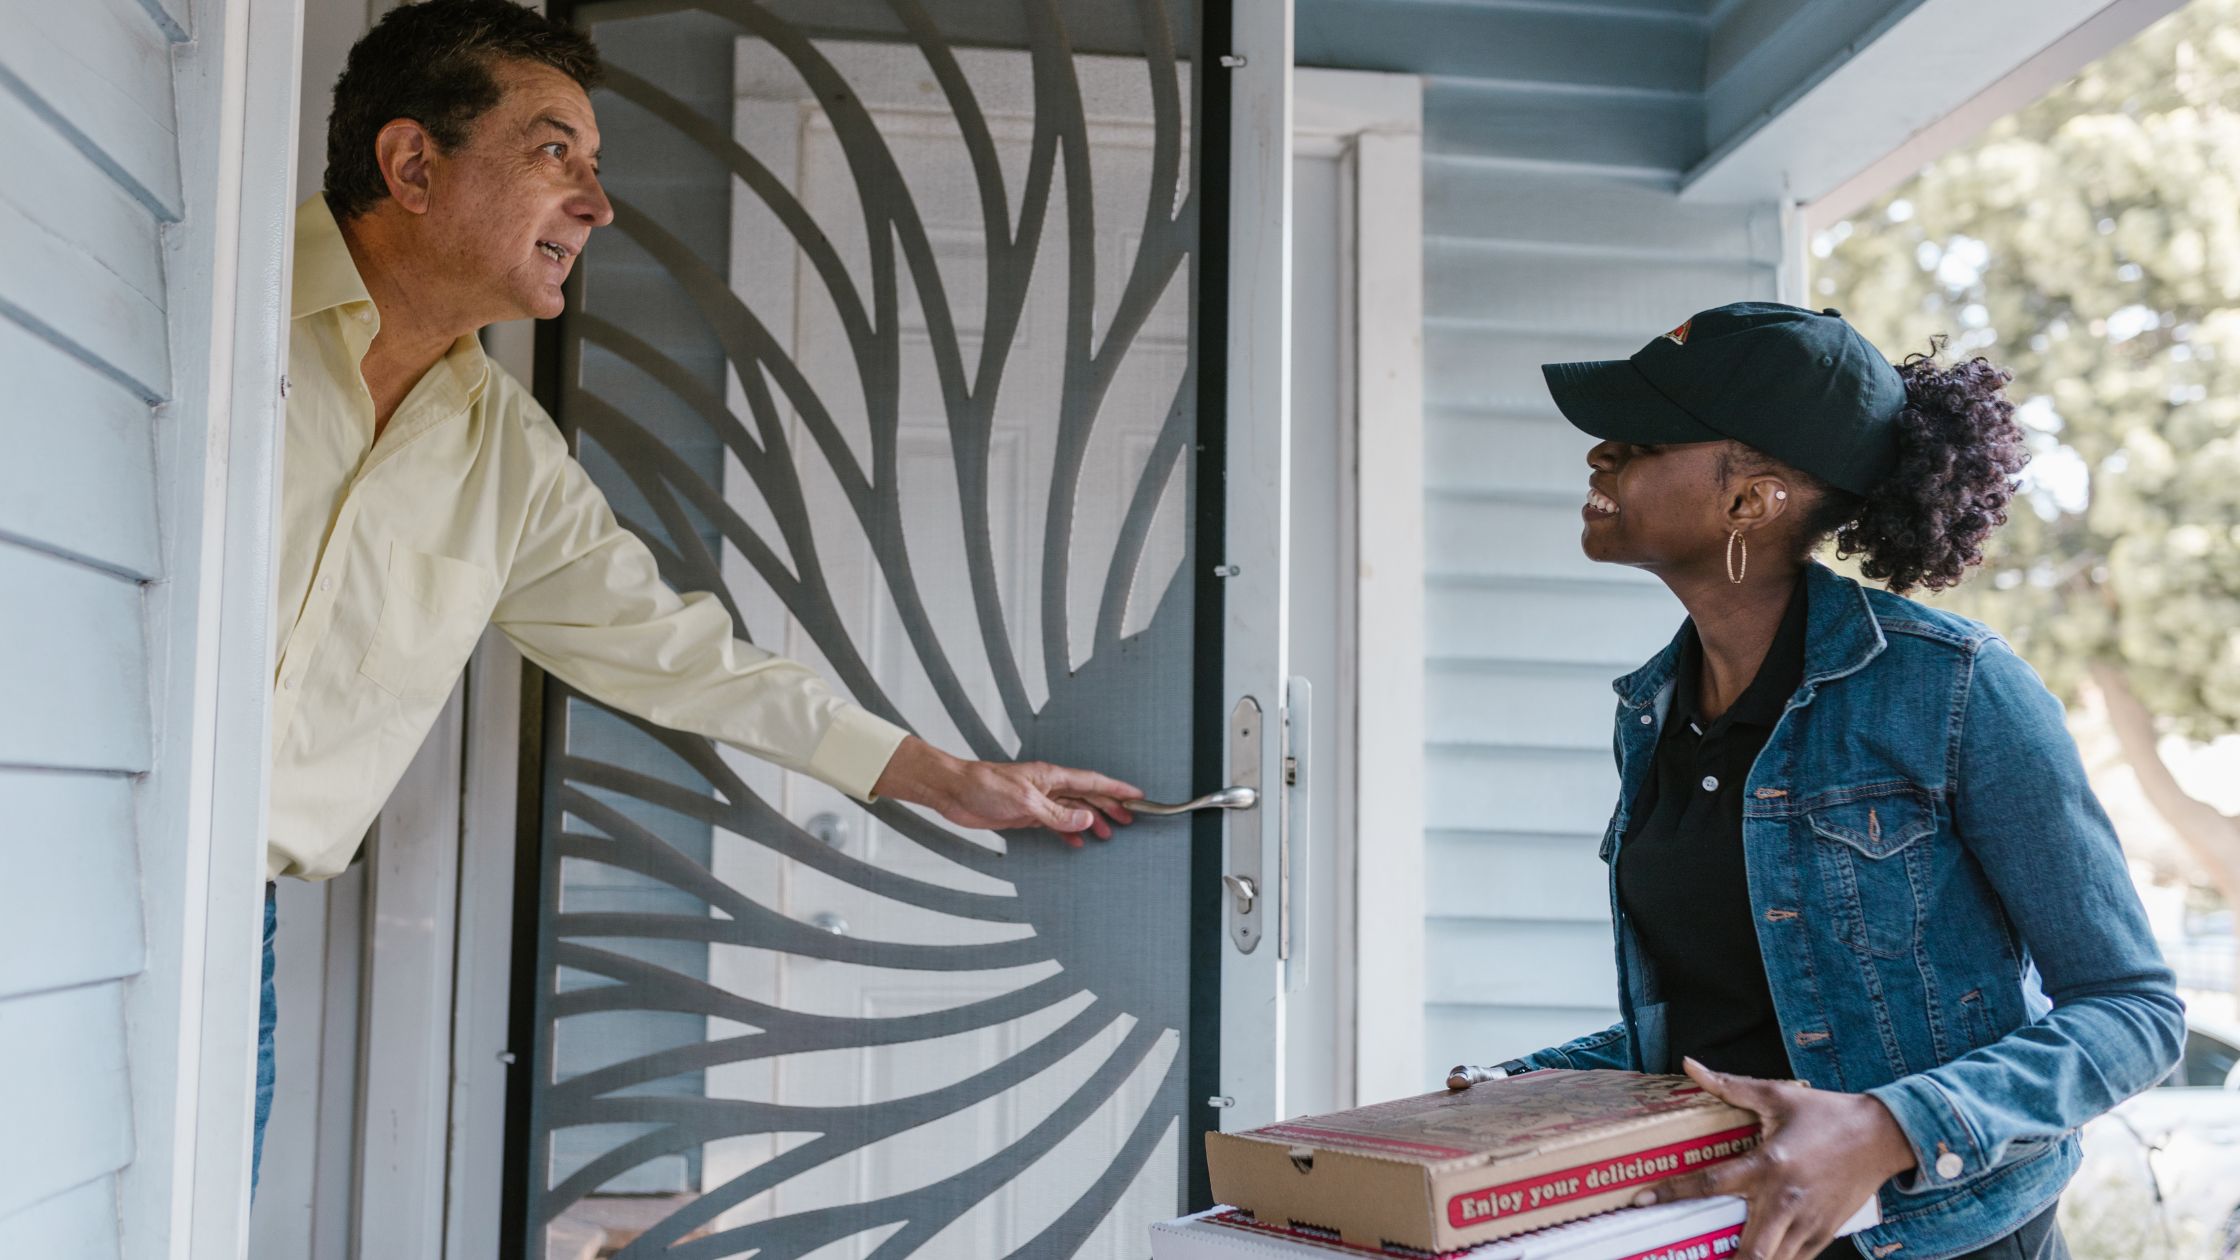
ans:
(425, 495)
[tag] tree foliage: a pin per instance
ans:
(2091, 244)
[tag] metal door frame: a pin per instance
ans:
(1238, 645)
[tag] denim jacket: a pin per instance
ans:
(1942, 906)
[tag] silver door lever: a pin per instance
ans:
(1226, 798)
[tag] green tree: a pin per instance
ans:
(2091, 244)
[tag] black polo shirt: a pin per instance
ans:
(1681, 878)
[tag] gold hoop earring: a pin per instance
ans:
(1735, 571)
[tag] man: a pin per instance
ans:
(425, 494)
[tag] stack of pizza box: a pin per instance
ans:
(1450, 1172)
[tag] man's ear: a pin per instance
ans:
(404, 150)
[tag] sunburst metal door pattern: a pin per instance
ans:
(891, 350)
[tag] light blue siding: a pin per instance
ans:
(70, 291)
(100, 72)
(1515, 622)
(89, 178)
(66, 843)
(80, 1224)
(1517, 963)
(75, 676)
(1519, 786)
(1544, 878)
(65, 1094)
(1455, 714)
(72, 428)
(1564, 129)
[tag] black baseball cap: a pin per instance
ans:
(1802, 386)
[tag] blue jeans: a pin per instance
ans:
(268, 1013)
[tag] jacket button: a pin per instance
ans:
(1646, 719)
(1948, 1165)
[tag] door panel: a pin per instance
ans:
(891, 348)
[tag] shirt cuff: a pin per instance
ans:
(855, 750)
(1944, 1148)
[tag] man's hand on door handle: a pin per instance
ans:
(1006, 795)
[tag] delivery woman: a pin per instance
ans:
(1859, 882)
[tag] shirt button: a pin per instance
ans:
(326, 584)
(1948, 1165)
(287, 684)
(1710, 783)
(362, 315)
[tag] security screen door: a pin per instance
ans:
(896, 348)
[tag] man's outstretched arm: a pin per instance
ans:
(584, 599)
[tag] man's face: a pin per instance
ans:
(511, 207)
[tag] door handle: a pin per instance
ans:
(1226, 798)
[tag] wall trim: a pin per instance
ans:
(1380, 949)
(192, 1016)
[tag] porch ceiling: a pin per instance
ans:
(1671, 91)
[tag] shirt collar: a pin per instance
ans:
(326, 279)
(326, 276)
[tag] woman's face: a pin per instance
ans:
(1660, 508)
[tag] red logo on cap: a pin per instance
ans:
(1679, 336)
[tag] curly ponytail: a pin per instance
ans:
(1959, 453)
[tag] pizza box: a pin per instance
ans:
(1693, 1229)
(1440, 1172)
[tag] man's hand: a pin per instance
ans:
(1821, 1155)
(1004, 795)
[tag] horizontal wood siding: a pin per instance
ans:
(72, 428)
(79, 1223)
(75, 674)
(89, 179)
(66, 843)
(65, 1094)
(1530, 125)
(100, 72)
(1553, 234)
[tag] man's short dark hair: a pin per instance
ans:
(432, 62)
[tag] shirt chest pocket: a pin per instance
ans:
(1868, 846)
(433, 609)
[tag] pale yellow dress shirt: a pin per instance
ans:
(469, 511)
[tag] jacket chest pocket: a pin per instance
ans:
(433, 609)
(1867, 843)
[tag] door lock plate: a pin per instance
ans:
(1243, 880)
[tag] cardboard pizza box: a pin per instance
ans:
(1696, 1229)
(1444, 1171)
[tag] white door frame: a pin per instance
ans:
(1254, 560)
(191, 1016)
(1376, 121)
